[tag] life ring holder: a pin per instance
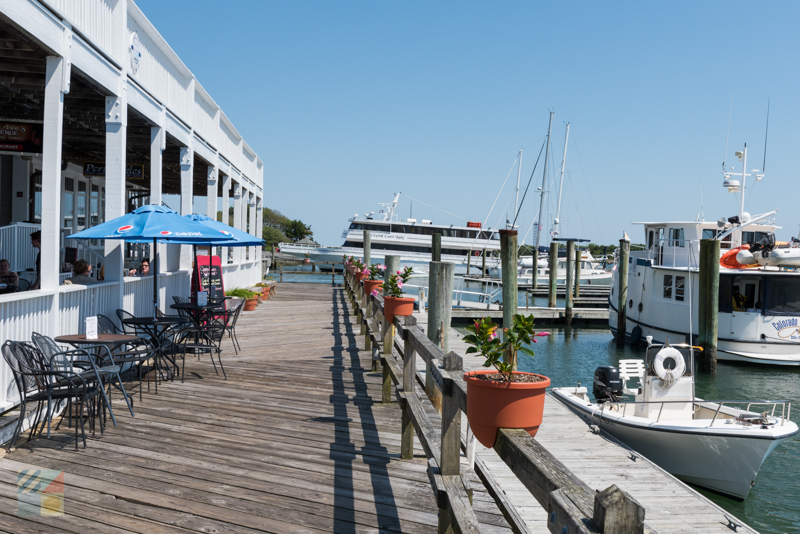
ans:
(669, 375)
(477, 253)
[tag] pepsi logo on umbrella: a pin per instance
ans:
(123, 229)
(223, 232)
(166, 232)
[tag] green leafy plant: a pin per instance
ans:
(394, 284)
(375, 271)
(358, 264)
(241, 293)
(502, 353)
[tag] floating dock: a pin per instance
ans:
(580, 316)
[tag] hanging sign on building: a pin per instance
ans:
(21, 137)
(91, 168)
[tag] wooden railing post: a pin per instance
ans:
(617, 512)
(409, 376)
(368, 319)
(450, 465)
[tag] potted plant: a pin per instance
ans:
(503, 398)
(374, 277)
(264, 290)
(393, 301)
(358, 270)
(348, 263)
(250, 297)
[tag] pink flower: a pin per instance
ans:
(398, 272)
(374, 293)
(493, 336)
(365, 271)
(477, 325)
(535, 340)
(541, 334)
(399, 283)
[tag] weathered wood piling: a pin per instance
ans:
(708, 304)
(622, 286)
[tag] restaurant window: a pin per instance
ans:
(679, 288)
(35, 212)
(69, 202)
(95, 205)
(667, 286)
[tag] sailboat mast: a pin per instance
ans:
(516, 195)
(544, 186)
(557, 222)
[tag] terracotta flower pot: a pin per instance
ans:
(351, 268)
(250, 304)
(359, 276)
(401, 306)
(493, 405)
(370, 285)
(265, 293)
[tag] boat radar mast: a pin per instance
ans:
(388, 209)
(733, 185)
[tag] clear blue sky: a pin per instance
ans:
(349, 102)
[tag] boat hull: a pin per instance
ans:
(711, 458)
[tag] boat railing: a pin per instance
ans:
(786, 406)
(458, 294)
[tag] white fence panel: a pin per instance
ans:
(243, 275)
(176, 284)
(18, 319)
(76, 303)
(138, 296)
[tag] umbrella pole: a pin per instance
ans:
(155, 279)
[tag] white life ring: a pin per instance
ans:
(658, 363)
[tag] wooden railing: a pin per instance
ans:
(313, 270)
(572, 506)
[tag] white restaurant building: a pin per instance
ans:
(99, 116)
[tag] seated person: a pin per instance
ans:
(81, 273)
(739, 300)
(8, 277)
(144, 270)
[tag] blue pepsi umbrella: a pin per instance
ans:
(156, 223)
(233, 237)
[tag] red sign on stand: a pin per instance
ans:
(207, 276)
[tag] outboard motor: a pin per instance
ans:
(765, 244)
(607, 384)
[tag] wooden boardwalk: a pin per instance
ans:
(296, 440)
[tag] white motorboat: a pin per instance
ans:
(409, 239)
(718, 445)
(759, 285)
(592, 272)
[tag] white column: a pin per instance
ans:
(259, 227)
(252, 224)
(116, 201)
(226, 189)
(51, 171)
(157, 139)
(187, 190)
(237, 218)
(211, 194)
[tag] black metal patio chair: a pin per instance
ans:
(206, 336)
(236, 306)
(40, 381)
(136, 352)
(107, 369)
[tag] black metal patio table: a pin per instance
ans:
(151, 326)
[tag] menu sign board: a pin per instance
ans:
(21, 137)
(207, 276)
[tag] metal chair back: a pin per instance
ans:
(106, 326)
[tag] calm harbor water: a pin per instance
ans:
(570, 355)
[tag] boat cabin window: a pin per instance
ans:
(650, 237)
(667, 286)
(783, 296)
(741, 293)
(709, 233)
(676, 237)
(752, 237)
(679, 288)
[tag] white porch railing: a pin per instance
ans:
(78, 302)
(242, 275)
(15, 245)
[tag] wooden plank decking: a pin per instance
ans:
(296, 440)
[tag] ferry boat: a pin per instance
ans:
(410, 239)
(759, 286)
(719, 445)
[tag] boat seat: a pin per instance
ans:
(631, 369)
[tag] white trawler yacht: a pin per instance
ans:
(759, 288)
(410, 239)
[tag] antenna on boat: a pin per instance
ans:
(544, 185)
(516, 194)
(557, 221)
(766, 134)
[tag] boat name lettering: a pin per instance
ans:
(787, 329)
